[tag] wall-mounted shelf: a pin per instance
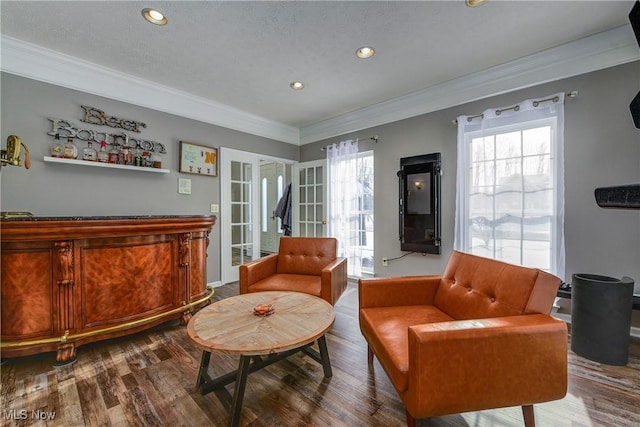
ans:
(103, 165)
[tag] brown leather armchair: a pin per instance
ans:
(302, 264)
(478, 337)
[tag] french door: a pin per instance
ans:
(312, 199)
(240, 231)
(242, 219)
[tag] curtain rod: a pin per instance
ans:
(571, 94)
(374, 138)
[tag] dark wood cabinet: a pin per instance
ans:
(419, 203)
(71, 281)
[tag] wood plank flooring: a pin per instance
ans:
(148, 379)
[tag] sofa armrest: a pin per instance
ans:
(257, 270)
(493, 363)
(333, 279)
(395, 291)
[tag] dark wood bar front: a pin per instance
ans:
(73, 280)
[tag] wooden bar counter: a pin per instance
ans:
(68, 281)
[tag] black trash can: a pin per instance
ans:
(601, 318)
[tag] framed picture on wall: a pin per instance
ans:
(198, 159)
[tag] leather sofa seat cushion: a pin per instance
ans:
(386, 331)
(282, 282)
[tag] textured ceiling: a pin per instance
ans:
(245, 54)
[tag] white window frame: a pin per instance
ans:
(513, 123)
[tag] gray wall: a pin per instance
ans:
(62, 190)
(602, 148)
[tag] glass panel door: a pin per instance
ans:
(241, 215)
(240, 227)
(312, 216)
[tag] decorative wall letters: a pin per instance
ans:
(98, 117)
(66, 129)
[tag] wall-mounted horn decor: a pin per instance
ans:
(11, 156)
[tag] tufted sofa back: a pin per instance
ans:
(474, 287)
(306, 255)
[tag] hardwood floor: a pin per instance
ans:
(148, 379)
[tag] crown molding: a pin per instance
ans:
(603, 50)
(38, 63)
(607, 49)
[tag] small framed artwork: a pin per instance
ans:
(198, 159)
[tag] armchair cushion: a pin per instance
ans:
(384, 325)
(473, 287)
(282, 282)
(302, 255)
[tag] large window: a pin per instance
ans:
(510, 186)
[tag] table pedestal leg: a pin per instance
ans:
(203, 376)
(324, 357)
(238, 394)
(321, 357)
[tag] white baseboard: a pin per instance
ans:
(214, 284)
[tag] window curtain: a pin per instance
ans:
(344, 196)
(510, 184)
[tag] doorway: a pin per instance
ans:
(242, 238)
(275, 178)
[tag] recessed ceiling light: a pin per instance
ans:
(296, 85)
(365, 52)
(154, 16)
(474, 3)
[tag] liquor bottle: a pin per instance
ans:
(70, 150)
(89, 153)
(156, 161)
(113, 154)
(128, 155)
(137, 156)
(124, 150)
(57, 150)
(103, 156)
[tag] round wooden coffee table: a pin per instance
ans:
(229, 326)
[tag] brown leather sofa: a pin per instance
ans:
(302, 264)
(478, 337)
